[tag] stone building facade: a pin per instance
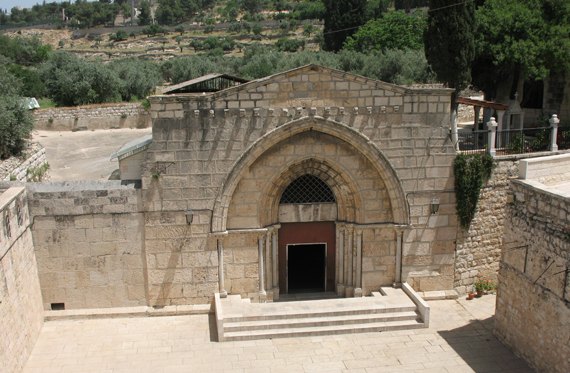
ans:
(533, 299)
(229, 156)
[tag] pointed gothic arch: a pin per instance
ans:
(399, 205)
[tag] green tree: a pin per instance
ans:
(121, 35)
(179, 29)
(520, 40)
(145, 16)
(450, 47)
(257, 29)
(71, 81)
(342, 18)
(189, 7)
(396, 30)
(31, 84)
(138, 77)
(308, 29)
(16, 121)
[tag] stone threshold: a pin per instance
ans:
(439, 295)
(142, 311)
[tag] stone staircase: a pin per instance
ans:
(390, 309)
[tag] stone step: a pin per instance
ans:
(322, 330)
(296, 313)
(303, 322)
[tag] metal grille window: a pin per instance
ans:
(19, 212)
(8, 229)
(307, 189)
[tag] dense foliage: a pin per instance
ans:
(471, 171)
(70, 80)
(394, 66)
(16, 121)
(520, 39)
(395, 30)
(449, 41)
(342, 18)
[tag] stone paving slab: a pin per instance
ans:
(459, 340)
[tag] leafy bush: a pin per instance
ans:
(235, 27)
(289, 45)
(16, 121)
(257, 29)
(154, 29)
(209, 29)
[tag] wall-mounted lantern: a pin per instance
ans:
(189, 216)
(434, 206)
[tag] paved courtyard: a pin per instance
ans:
(84, 155)
(460, 339)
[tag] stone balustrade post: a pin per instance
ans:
(492, 125)
(554, 121)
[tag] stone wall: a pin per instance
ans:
(116, 115)
(17, 167)
(21, 311)
(479, 247)
(183, 266)
(89, 243)
(533, 299)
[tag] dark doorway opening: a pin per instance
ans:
(306, 268)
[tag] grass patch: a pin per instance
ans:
(45, 103)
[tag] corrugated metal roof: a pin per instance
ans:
(133, 147)
(30, 102)
(202, 79)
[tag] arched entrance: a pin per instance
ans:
(307, 247)
(357, 257)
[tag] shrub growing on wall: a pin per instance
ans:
(471, 171)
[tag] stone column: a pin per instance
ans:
(349, 255)
(223, 292)
(554, 121)
(358, 282)
(492, 125)
(275, 266)
(268, 269)
(262, 293)
(340, 264)
(398, 279)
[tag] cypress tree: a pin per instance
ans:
(342, 15)
(450, 47)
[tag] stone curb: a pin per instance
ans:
(107, 313)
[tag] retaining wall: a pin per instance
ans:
(479, 247)
(18, 167)
(116, 115)
(88, 238)
(532, 316)
(21, 312)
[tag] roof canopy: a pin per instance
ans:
(482, 103)
(206, 83)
